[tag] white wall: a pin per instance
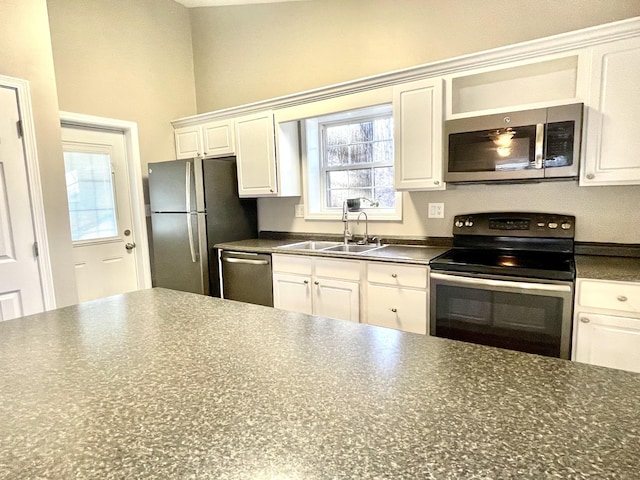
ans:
(129, 60)
(603, 214)
(254, 52)
(25, 52)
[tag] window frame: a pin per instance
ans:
(313, 169)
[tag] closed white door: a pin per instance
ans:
(100, 212)
(20, 281)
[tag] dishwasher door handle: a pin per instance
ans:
(244, 260)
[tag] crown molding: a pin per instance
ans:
(555, 44)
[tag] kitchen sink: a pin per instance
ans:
(310, 245)
(352, 248)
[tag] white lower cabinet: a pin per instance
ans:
(607, 324)
(397, 296)
(608, 341)
(325, 287)
(378, 293)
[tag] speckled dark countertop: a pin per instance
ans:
(608, 268)
(389, 253)
(167, 385)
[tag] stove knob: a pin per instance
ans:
(566, 226)
(459, 223)
(468, 223)
(552, 225)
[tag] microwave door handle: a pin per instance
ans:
(539, 145)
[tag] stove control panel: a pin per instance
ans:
(515, 224)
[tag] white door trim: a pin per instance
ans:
(35, 186)
(130, 131)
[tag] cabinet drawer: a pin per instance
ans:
(292, 264)
(618, 296)
(397, 308)
(397, 275)
(342, 269)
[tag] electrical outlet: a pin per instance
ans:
(436, 210)
(299, 210)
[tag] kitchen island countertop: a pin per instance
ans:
(160, 384)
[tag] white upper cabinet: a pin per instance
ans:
(218, 139)
(212, 139)
(612, 153)
(263, 170)
(417, 120)
(188, 142)
(256, 155)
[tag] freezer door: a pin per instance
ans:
(172, 186)
(229, 217)
(177, 260)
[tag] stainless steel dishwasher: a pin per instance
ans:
(246, 277)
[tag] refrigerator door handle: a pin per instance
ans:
(190, 235)
(187, 189)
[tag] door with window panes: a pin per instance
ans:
(100, 212)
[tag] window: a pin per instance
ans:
(350, 155)
(90, 193)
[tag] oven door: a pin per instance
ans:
(513, 313)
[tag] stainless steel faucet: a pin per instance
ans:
(347, 235)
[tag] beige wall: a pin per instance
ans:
(128, 60)
(25, 52)
(249, 53)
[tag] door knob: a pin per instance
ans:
(130, 246)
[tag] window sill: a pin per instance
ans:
(353, 216)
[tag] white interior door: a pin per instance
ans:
(100, 212)
(20, 280)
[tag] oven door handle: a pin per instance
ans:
(502, 283)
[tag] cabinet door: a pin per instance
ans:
(292, 292)
(398, 308)
(256, 157)
(608, 341)
(417, 119)
(337, 299)
(613, 117)
(218, 139)
(188, 142)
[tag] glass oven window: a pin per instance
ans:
(517, 321)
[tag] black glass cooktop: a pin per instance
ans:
(517, 263)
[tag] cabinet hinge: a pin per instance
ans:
(36, 252)
(19, 127)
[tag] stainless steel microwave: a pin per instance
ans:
(528, 145)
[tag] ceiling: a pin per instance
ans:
(217, 3)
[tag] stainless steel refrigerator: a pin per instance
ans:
(195, 205)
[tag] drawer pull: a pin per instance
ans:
(306, 282)
(316, 283)
(585, 320)
(394, 310)
(394, 275)
(622, 298)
